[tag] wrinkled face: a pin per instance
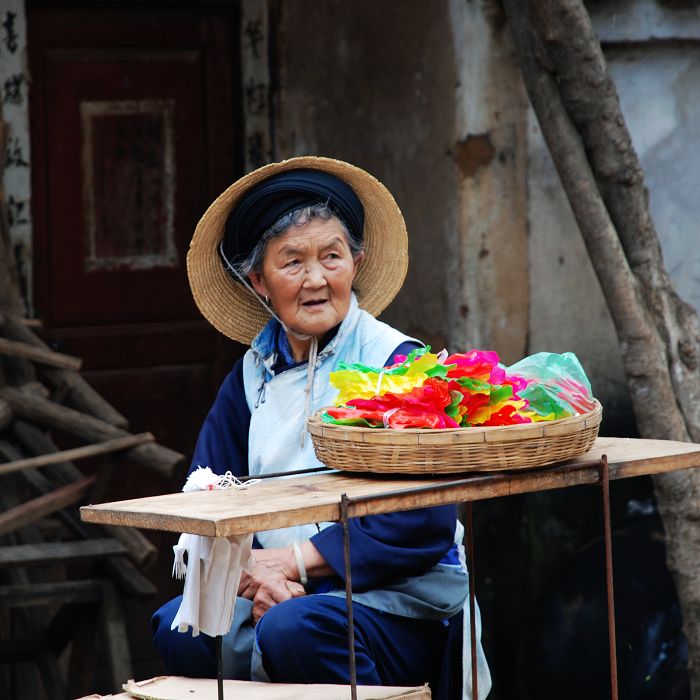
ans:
(307, 273)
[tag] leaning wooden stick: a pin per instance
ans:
(37, 508)
(38, 442)
(52, 415)
(78, 393)
(114, 445)
(43, 356)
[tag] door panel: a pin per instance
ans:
(134, 132)
(134, 128)
(117, 130)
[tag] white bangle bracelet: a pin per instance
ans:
(300, 563)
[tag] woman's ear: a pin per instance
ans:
(357, 261)
(258, 284)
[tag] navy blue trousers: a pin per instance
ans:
(304, 640)
(182, 654)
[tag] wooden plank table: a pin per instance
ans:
(335, 496)
(178, 688)
(315, 498)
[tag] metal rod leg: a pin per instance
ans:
(605, 485)
(472, 600)
(220, 666)
(348, 595)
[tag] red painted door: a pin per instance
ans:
(134, 127)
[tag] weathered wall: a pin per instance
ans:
(654, 59)
(567, 309)
(489, 294)
(14, 109)
(374, 83)
(426, 97)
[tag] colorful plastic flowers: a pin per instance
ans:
(425, 390)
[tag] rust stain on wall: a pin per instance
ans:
(472, 153)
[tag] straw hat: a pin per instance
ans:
(235, 311)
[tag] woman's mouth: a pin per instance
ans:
(314, 304)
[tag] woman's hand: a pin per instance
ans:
(267, 565)
(275, 589)
(274, 574)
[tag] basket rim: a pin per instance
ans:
(592, 417)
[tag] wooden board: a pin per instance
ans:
(45, 553)
(17, 348)
(100, 448)
(24, 595)
(30, 511)
(274, 503)
(178, 688)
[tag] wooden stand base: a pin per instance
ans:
(178, 688)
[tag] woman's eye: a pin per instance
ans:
(291, 263)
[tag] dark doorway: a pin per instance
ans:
(135, 129)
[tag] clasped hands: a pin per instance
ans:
(273, 575)
(271, 578)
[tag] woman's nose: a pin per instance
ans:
(314, 276)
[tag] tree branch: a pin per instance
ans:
(590, 98)
(642, 350)
(578, 109)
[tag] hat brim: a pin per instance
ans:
(235, 311)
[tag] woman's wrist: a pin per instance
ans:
(314, 561)
(301, 566)
(304, 561)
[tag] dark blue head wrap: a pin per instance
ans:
(271, 199)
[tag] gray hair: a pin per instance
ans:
(297, 217)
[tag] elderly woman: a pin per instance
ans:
(296, 259)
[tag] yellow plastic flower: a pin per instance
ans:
(366, 385)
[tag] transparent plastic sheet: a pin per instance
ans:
(557, 385)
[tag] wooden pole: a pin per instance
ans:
(141, 550)
(106, 447)
(51, 415)
(31, 511)
(16, 348)
(77, 392)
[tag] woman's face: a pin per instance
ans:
(307, 273)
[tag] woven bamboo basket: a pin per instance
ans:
(416, 451)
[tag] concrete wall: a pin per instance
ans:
(426, 97)
(375, 86)
(489, 304)
(567, 309)
(373, 83)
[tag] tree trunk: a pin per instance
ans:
(590, 98)
(577, 106)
